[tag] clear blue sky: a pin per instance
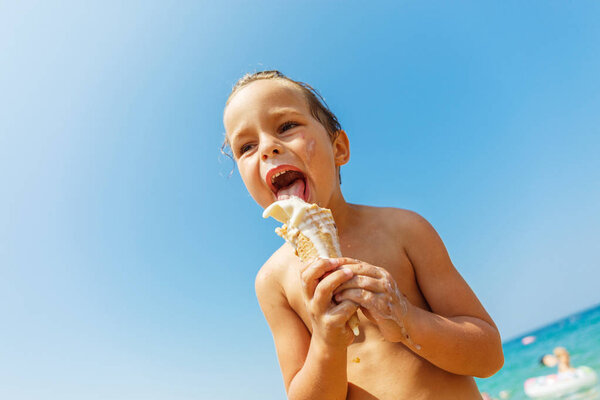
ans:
(127, 255)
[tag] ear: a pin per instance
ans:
(341, 148)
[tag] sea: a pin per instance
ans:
(578, 333)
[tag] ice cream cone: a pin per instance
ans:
(311, 230)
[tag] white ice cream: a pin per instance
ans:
(300, 216)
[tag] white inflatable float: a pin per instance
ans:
(560, 384)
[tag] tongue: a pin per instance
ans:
(296, 188)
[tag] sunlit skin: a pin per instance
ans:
(396, 272)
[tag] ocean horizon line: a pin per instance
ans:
(531, 332)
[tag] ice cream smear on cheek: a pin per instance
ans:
(310, 150)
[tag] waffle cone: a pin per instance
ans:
(305, 248)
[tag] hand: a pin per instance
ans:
(329, 319)
(376, 292)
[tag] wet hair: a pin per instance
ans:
(316, 104)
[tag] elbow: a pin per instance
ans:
(493, 362)
(494, 357)
(500, 363)
(491, 367)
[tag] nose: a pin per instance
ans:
(270, 147)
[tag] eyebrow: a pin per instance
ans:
(282, 111)
(240, 133)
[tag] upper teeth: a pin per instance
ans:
(277, 174)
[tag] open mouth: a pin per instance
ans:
(285, 183)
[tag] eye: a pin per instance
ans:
(246, 147)
(287, 126)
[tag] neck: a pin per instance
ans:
(341, 210)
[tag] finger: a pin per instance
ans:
(319, 263)
(346, 260)
(314, 272)
(343, 311)
(324, 291)
(362, 268)
(362, 282)
(362, 297)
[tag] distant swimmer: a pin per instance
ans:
(567, 381)
(560, 358)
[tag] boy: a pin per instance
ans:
(424, 333)
(560, 358)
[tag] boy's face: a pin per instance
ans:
(549, 360)
(280, 149)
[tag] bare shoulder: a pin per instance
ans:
(270, 277)
(417, 233)
(396, 221)
(416, 236)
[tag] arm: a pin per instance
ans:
(312, 367)
(457, 335)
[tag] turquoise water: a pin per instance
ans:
(578, 333)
